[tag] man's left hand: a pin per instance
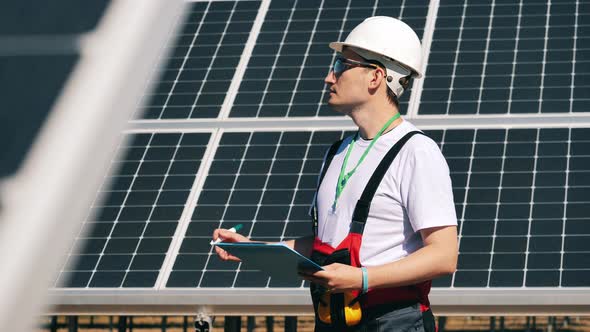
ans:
(337, 278)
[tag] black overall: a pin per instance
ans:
(408, 304)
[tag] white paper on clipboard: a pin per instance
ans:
(276, 259)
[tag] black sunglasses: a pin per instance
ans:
(342, 64)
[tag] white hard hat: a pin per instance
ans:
(389, 41)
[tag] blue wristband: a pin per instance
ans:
(365, 280)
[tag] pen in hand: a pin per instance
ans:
(233, 230)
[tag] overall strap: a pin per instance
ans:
(361, 210)
(329, 157)
(331, 153)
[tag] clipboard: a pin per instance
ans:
(276, 259)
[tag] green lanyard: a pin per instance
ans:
(344, 177)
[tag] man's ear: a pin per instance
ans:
(377, 78)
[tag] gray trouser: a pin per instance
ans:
(409, 318)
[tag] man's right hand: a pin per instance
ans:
(227, 236)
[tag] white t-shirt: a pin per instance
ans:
(415, 193)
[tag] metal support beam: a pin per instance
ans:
(122, 326)
(270, 322)
(251, 324)
(290, 324)
(53, 326)
(72, 323)
(442, 322)
(232, 324)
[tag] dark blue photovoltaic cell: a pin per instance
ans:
(519, 202)
(263, 180)
(521, 197)
(26, 17)
(126, 238)
(202, 62)
(30, 85)
(285, 75)
(508, 57)
(33, 70)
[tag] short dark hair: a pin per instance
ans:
(392, 98)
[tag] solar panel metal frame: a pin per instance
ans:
(288, 301)
(43, 201)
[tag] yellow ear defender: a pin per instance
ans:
(352, 309)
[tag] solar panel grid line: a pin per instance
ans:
(575, 51)
(275, 196)
(297, 187)
(151, 82)
(102, 251)
(309, 92)
(275, 62)
(557, 23)
(340, 32)
(514, 58)
(40, 45)
(418, 84)
(68, 264)
(223, 34)
(461, 219)
(531, 205)
(185, 59)
(185, 218)
(216, 54)
(121, 267)
(147, 222)
(498, 202)
(456, 59)
(305, 55)
(261, 203)
(544, 61)
(565, 203)
(222, 219)
(244, 60)
(485, 56)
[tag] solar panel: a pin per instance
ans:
(22, 18)
(520, 187)
(263, 180)
(30, 85)
(521, 196)
(284, 77)
(70, 75)
(38, 49)
(126, 237)
(202, 62)
(519, 193)
(508, 57)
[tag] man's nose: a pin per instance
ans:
(330, 77)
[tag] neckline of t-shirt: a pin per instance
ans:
(395, 131)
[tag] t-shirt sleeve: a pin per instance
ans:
(425, 186)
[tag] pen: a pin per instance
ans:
(233, 230)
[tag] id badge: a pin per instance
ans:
(330, 226)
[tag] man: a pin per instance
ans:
(384, 218)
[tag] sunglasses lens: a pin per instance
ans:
(339, 66)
